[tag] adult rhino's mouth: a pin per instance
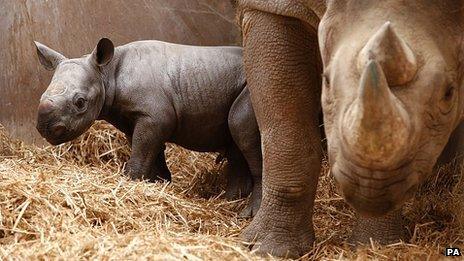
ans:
(374, 192)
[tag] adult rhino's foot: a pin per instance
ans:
(280, 232)
(385, 230)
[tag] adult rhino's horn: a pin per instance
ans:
(394, 55)
(376, 126)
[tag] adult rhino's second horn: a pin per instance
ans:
(376, 127)
(392, 52)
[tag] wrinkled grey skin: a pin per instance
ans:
(391, 93)
(157, 92)
(392, 100)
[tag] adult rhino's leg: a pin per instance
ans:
(244, 130)
(283, 74)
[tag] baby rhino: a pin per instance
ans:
(157, 92)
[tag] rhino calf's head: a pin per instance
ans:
(391, 95)
(76, 94)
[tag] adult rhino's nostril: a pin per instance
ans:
(45, 107)
(58, 130)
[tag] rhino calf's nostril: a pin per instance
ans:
(58, 130)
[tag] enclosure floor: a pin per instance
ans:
(72, 202)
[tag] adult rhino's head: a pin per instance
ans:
(76, 94)
(392, 95)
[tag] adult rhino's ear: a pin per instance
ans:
(48, 57)
(103, 52)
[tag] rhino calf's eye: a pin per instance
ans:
(80, 103)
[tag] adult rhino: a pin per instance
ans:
(392, 94)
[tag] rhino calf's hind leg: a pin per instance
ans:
(385, 230)
(239, 183)
(245, 132)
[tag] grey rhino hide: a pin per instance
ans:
(157, 92)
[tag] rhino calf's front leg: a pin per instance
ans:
(147, 146)
(159, 170)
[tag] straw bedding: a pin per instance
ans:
(71, 202)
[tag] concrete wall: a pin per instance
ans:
(74, 26)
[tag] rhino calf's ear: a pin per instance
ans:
(103, 52)
(48, 57)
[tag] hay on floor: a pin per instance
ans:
(71, 201)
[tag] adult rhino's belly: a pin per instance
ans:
(202, 135)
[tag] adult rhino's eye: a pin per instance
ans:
(80, 103)
(325, 80)
(449, 94)
(447, 102)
